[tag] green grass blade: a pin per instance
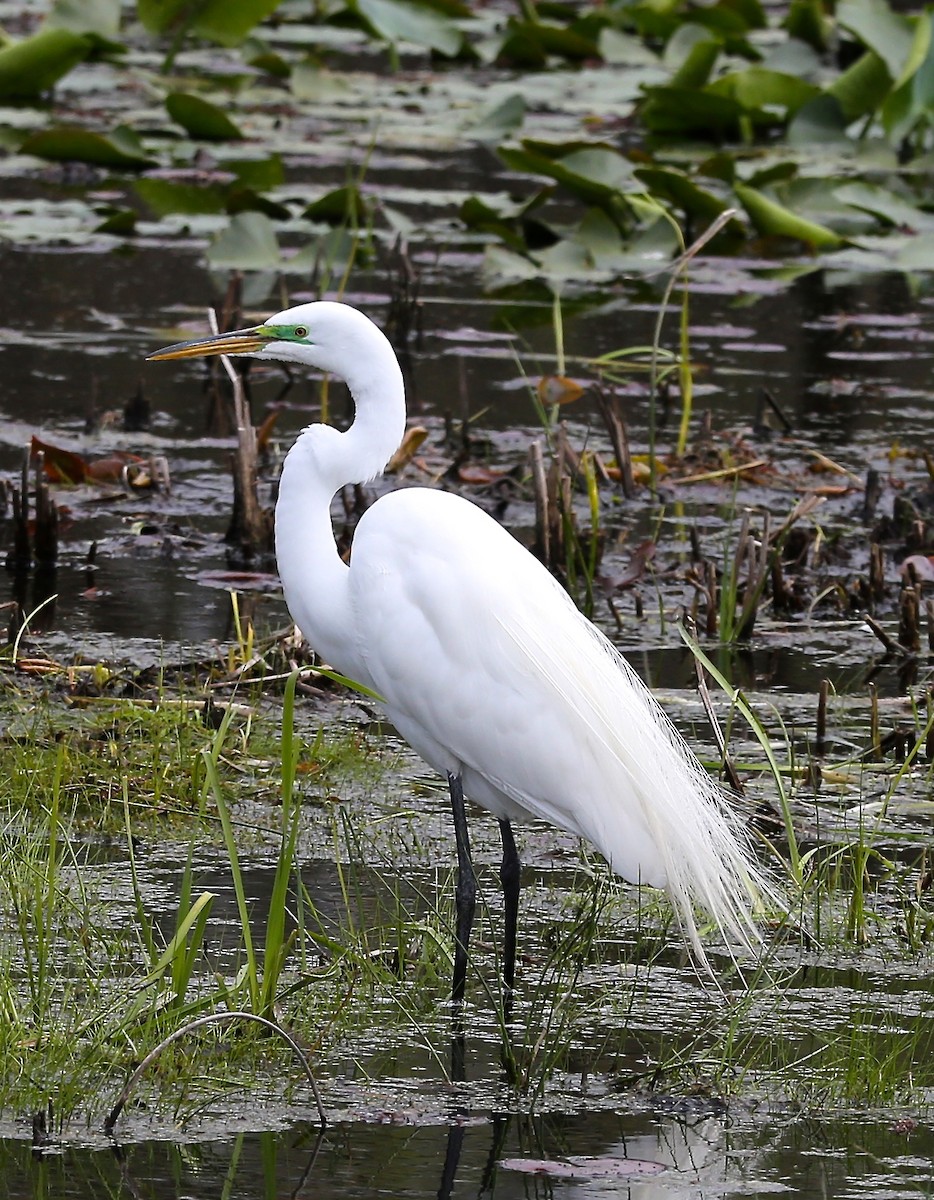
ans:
(276, 945)
(212, 781)
(738, 701)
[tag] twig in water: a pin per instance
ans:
(212, 1018)
(888, 642)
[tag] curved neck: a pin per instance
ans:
(323, 460)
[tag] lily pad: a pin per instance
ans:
(862, 87)
(911, 103)
(343, 206)
(398, 21)
(582, 1166)
(509, 221)
(688, 111)
(30, 67)
(247, 244)
(879, 28)
(819, 120)
(763, 93)
(219, 20)
(499, 120)
(806, 21)
(667, 183)
(166, 196)
(101, 18)
(200, 119)
(594, 172)
(261, 56)
(531, 43)
(883, 203)
(121, 149)
(244, 199)
(775, 220)
(119, 221)
(259, 173)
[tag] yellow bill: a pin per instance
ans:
(240, 341)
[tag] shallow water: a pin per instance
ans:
(681, 1155)
(848, 360)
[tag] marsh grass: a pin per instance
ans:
(842, 1017)
(91, 974)
(97, 964)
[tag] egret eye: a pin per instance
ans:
(300, 331)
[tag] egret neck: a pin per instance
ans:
(322, 461)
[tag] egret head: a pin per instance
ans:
(326, 335)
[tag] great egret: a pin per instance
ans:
(484, 663)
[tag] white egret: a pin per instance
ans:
(484, 664)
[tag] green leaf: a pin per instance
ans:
(530, 43)
(911, 253)
(880, 29)
(241, 199)
(594, 174)
(98, 17)
(247, 244)
(498, 121)
(731, 15)
(218, 20)
(697, 64)
(504, 218)
(912, 102)
(600, 237)
(67, 143)
(120, 221)
(862, 87)
(31, 67)
(806, 22)
(398, 21)
(198, 911)
(686, 111)
(259, 173)
(592, 170)
(772, 219)
(162, 16)
(343, 206)
(166, 196)
(668, 183)
(886, 205)
(200, 119)
(761, 91)
(623, 49)
(819, 120)
(256, 53)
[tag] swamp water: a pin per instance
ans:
(622, 1052)
(603, 1129)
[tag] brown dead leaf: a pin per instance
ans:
(112, 468)
(264, 431)
(558, 389)
(414, 436)
(59, 465)
(477, 475)
(830, 489)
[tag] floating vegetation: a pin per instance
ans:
(746, 451)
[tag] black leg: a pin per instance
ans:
(466, 891)
(509, 874)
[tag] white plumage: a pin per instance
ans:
(485, 665)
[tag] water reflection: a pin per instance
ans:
(730, 1154)
(855, 363)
